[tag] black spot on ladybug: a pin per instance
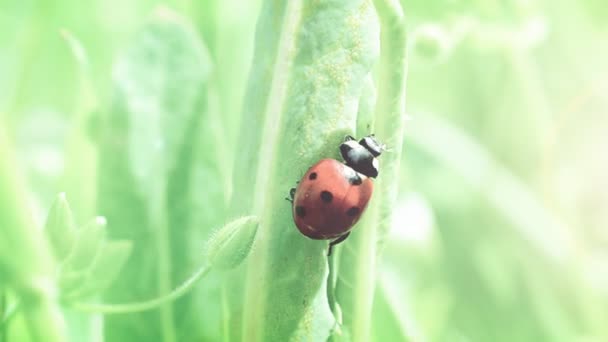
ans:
(356, 180)
(353, 211)
(312, 176)
(300, 211)
(326, 196)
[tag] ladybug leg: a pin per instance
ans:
(292, 193)
(337, 241)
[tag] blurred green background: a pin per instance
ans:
(500, 231)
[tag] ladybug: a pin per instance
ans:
(331, 196)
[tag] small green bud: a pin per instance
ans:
(60, 228)
(230, 245)
(431, 42)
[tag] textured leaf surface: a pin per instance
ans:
(311, 62)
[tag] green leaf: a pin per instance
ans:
(366, 110)
(232, 243)
(90, 241)
(148, 163)
(106, 267)
(311, 62)
(313, 325)
(159, 80)
(60, 228)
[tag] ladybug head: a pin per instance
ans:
(361, 156)
(372, 145)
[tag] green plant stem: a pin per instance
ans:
(148, 304)
(390, 108)
(25, 257)
(159, 217)
(363, 288)
(80, 173)
(225, 314)
(390, 124)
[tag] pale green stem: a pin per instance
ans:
(364, 285)
(148, 304)
(390, 124)
(80, 175)
(158, 215)
(226, 314)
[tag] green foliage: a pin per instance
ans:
(487, 221)
(148, 160)
(26, 261)
(60, 227)
(304, 108)
(87, 261)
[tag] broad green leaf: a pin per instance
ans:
(149, 160)
(60, 228)
(311, 62)
(365, 112)
(313, 324)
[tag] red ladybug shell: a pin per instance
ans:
(329, 199)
